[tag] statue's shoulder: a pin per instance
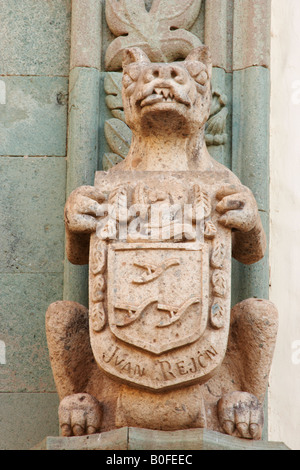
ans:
(213, 174)
(217, 173)
(119, 167)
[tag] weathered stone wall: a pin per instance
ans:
(34, 75)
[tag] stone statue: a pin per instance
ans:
(160, 346)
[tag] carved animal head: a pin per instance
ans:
(167, 98)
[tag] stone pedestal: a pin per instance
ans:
(137, 439)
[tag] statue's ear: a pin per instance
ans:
(200, 54)
(134, 54)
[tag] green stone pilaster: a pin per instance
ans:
(250, 162)
(84, 115)
(82, 161)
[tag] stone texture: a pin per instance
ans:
(252, 28)
(83, 137)
(35, 37)
(251, 102)
(167, 22)
(31, 265)
(86, 34)
(35, 187)
(218, 32)
(80, 414)
(159, 326)
(76, 283)
(193, 439)
(25, 418)
(35, 111)
(250, 162)
(238, 33)
(111, 440)
(136, 439)
(83, 126)
(24, 299)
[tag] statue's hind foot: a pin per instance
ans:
(241, 414)
(79, 415)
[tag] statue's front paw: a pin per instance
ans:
(241, 414)
(79, 415)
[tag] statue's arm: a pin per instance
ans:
(238, 211)
(77, 247)
(81, 211)
(249, 247)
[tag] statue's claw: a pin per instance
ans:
(79, 415)
(241, 414)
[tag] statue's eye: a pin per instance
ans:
(149, 76)
(202, 77)
(199, 72)
(127, 81)
(134, 71)
(128, 84)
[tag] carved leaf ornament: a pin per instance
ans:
(161, 32)
(117, 133)
(113, 89)
(215, 132)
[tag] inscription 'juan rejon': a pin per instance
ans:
(201, 360)
(168, 370)
(120, 361)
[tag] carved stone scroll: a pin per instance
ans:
(162, 32)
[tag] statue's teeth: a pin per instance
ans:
(163, 91)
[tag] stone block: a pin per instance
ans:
(138, 439)
(23, 303)
(35, 110)
(238, 33)
(193, 439)
(86, 34)
(111, 440)
(32, 197)
(35, 37)
(25, 418)
(252, 33)
(217, 21)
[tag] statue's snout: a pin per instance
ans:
(166, 73)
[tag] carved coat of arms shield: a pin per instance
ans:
(160, 311)
(158, 294)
